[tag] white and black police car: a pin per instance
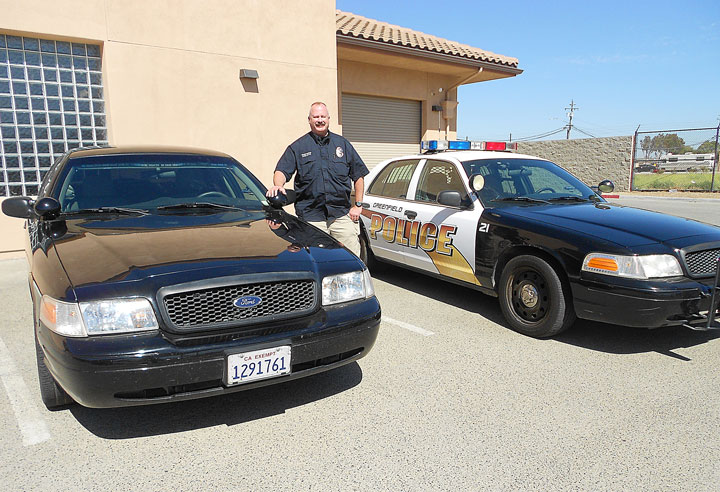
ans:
(527, 231)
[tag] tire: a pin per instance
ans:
(53, 396)
(533, 299)
(366, 254)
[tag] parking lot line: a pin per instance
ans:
(32, 426)
(408, 326)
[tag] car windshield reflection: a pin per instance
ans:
(147, 183)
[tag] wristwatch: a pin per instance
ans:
(358, 204)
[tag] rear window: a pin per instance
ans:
(393, 181)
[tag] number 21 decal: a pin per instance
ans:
(483, 227)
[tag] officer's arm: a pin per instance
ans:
(355, 211)
(279, 181)
(283, 170)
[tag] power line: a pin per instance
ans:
(541, 135)
(584, 132)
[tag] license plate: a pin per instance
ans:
(258, 364)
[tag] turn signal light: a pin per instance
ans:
(600, 263)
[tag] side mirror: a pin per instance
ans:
(477, 182)
(47, 208)
(606, 186)
(18, 206)
(280, 200)
(449, 198)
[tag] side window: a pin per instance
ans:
(393, 181)
(438, 176)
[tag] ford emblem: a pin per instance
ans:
(247, 301)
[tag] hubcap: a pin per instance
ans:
(529, 295)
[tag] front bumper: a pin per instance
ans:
(116, 371)
(644, 304)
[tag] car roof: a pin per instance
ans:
(142, 149)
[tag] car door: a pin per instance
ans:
(441, 238)
(384, 219)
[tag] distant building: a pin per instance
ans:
(686, 162)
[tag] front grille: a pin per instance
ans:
(214, 306)
(702, 262)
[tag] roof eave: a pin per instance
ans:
(411, 51)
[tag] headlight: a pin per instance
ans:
(97, 317)
(347, 287)
(648, 266)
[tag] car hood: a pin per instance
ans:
(625, 226)
(191, 246)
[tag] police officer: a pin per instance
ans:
(325, 166)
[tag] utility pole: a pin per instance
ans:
(572, 109)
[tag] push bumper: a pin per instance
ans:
(648, 304)
(117, 371)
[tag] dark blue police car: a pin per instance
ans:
(525, 230)
(159, 275)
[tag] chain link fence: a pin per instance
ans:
(683, 160)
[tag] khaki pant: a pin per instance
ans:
(344, 229)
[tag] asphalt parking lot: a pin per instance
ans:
(448, 399)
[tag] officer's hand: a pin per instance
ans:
(355, 212)
(274, 191)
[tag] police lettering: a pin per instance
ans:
(414, 234)
(386, 206)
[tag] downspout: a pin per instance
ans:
(446, 104)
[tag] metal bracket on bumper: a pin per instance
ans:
(711, 321)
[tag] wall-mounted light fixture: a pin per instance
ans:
(246, 73)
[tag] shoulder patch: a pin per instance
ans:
(339, 151)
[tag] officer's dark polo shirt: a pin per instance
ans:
(326, 169)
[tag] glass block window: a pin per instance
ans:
(51, 100)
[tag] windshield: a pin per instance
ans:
(527, 180)
(152, 181)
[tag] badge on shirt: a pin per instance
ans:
(339, 152)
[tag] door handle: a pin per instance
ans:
(410, 214)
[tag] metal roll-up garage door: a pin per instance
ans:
(380, 128)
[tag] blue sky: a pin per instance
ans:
(654, 64)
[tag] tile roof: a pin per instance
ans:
(355, 26)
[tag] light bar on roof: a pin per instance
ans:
(466, 145)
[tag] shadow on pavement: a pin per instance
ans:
(616, 339)
(449, 293)
(591, 335)
(232, 409)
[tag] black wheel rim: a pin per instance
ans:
(529, 296)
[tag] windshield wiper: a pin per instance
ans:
(569, 199)
(108, 210)
(198, 205)
(520, 199)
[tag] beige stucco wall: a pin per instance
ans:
(171, 67)
(171, 70)
(381, 80)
